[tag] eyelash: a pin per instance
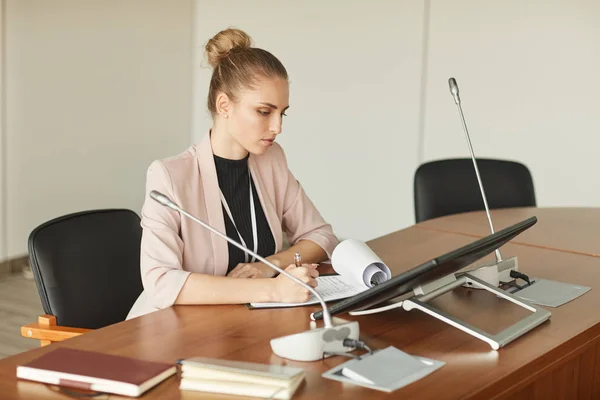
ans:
(264, 113)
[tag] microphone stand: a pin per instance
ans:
(306, 346)
(501, 270)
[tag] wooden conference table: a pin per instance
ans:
(558, 360)
(572, 230)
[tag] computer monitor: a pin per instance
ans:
(429, 271)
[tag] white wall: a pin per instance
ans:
(3, 233)
(529, 83)
(96, 90)
(527, 73)
(354, 69)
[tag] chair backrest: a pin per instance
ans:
(445, 187)
(87, 266)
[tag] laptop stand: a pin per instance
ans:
(437, 288)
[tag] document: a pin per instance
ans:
(330, 287)
(358, 268)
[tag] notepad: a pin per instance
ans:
(96, 371)
(358, 269)
(331, 287)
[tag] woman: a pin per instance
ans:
(237, 180)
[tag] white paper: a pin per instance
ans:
(358, 267)
(333, 287)
(356, 261)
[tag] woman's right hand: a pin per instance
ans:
(288, 291)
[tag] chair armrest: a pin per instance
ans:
(47, 331)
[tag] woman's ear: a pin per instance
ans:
(223, 105)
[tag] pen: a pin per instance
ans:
(297, 260)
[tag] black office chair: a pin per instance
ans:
(450, 186)
(86, 268)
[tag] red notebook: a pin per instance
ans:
(96, 371)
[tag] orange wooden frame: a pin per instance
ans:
(46, 330)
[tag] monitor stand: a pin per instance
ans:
(423, 294)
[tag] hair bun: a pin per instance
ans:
(223, 42)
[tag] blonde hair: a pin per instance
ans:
(237, 65)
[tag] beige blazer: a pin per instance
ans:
(174, 246)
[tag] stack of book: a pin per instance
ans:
(240, 378)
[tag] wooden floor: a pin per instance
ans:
(19, 305)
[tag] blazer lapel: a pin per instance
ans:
(212, 200)
(267, 205)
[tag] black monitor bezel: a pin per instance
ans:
(429, 271)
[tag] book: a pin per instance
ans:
(240, 378)
(358, 268)
(99, 372)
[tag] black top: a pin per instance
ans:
(233, 176)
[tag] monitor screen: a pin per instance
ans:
(429, 271)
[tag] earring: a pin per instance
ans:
(225, 115)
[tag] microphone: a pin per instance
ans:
(306, 346)
(501, 270)
(454, 90)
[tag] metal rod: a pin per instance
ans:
(485, 203)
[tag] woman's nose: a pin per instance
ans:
(276, 125)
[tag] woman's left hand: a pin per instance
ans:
(252, 270)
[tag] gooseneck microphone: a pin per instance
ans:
(306, 346)
(503, 270)
(454, 91)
